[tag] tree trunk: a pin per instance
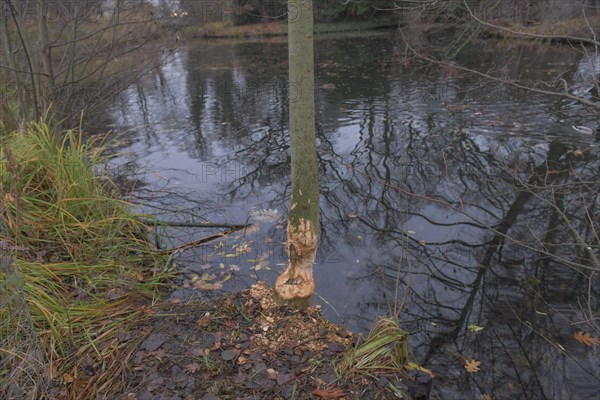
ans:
(12, 77)
(31, 68)
(46, 52)
(303, 222)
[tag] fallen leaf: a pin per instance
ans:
(154, 341)
(586, 338)
(229, 355)
(138, 276)
(329, 393)
(335, 347)
(191, 368)
(472, 366)
(271, 373)
(240, 378)
(53, 371)
(475, 328)
(197, 351)
(155, 384)
(160, 354)
(282, 379)
(67, 378)
(217, 343)
(9, 198)
(203, 322)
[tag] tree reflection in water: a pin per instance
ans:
(452, 202)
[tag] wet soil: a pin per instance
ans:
(245, 346)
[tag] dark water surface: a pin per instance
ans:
(423, 207)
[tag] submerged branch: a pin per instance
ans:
(151, 222)
(197, 242)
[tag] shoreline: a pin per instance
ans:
(221, 30)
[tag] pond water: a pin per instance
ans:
(433, 200)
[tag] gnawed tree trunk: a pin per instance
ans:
(303, 221)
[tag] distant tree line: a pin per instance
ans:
(254, 11)
(70, 56)
(524, 12)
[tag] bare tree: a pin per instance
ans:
(72, 57)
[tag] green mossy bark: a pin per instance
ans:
(303, 222)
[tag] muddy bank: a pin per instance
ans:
(245, 346)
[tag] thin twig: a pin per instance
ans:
(577, 39)
(197, 242)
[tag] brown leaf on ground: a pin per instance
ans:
(154, 341)
(218, 336)
(197, 351)
(586, 338)
(204, 321)
(329, 393)
(229, 355)
(155, 384)
(53, 371)
(191, 368)
(472, 366)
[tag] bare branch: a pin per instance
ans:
(516, 84)
(576, 39)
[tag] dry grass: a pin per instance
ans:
(81, 269)
(385, 349)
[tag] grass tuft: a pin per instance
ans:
(385, 349)
(81, 266)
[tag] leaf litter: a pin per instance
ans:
(246, 346)
(586, 338)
